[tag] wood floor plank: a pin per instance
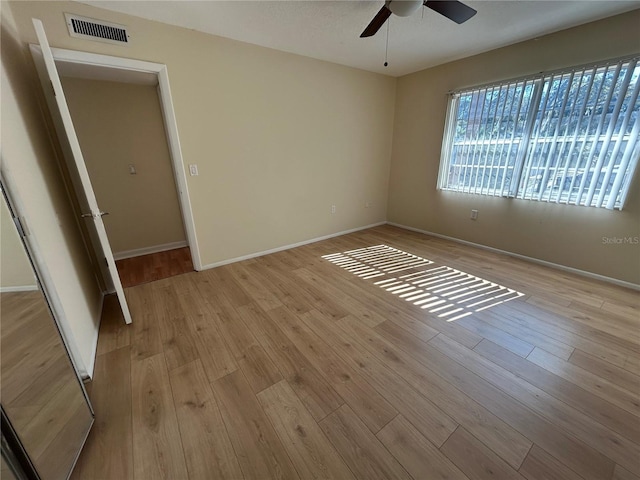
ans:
(146, 339)
(613, 445)
(614, 418)
(426, 416)
(475, 417)
(595, 384)
(298, 296)
(564, 322)
(476, 460)
(539, 465)
(207, 447)
(621, 474)
(236, 335)
(364, 400)
(385, 304)
(415, 453)
(514, 414)
(363, 453)
(209, 343)
(508, 319)
(253, 287)
(157, 449)
(114, 332)
(178, 338)
(258, 368)
(354, 307)
(156, 266)
(258, 448)
(613, 328)
(108, 452)
(314, 391)
(496, 335)
(224, 281)
(310, 451)
(613, 374)
(630, 312)
(287, 292)
(417, 328)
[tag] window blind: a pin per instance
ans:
(566, 137)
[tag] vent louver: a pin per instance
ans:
(92, 29)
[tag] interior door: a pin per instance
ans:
(78, 170)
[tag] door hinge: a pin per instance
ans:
(106, 261)
(52, 88)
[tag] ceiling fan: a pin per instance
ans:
(452, 9)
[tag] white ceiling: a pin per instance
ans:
(329, 30)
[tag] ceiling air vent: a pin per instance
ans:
(92, 29)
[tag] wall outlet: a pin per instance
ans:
(193, 170)
(333, 209)
(132, 169)
(474, 214)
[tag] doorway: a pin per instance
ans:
(124, 146)
(102, 67)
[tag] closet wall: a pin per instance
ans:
(120, 128)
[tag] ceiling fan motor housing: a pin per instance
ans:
(404, 8)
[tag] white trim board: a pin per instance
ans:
(287, 247)
(557, 266)
(88, 376)
(20, 288)
(138, 252)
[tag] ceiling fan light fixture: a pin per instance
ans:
(404, 8)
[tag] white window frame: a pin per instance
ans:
(530, 138)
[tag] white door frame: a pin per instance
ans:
(171, 127)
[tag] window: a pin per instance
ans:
(568, 137)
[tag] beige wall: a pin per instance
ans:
(277, 138)
(566, 235)
(31, 170)
(15, 269)
(143, 208)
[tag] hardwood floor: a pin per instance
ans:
(155, 266)
(380, 354)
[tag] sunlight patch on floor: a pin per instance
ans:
(376, 261)
(441, 290)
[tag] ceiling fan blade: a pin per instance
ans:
(452, 9)
(377, 22)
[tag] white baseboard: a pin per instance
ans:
(556, 266)
(287, 247)
(138, 252)
(22, 288)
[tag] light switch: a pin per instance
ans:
(132, 169)
(193, 170)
